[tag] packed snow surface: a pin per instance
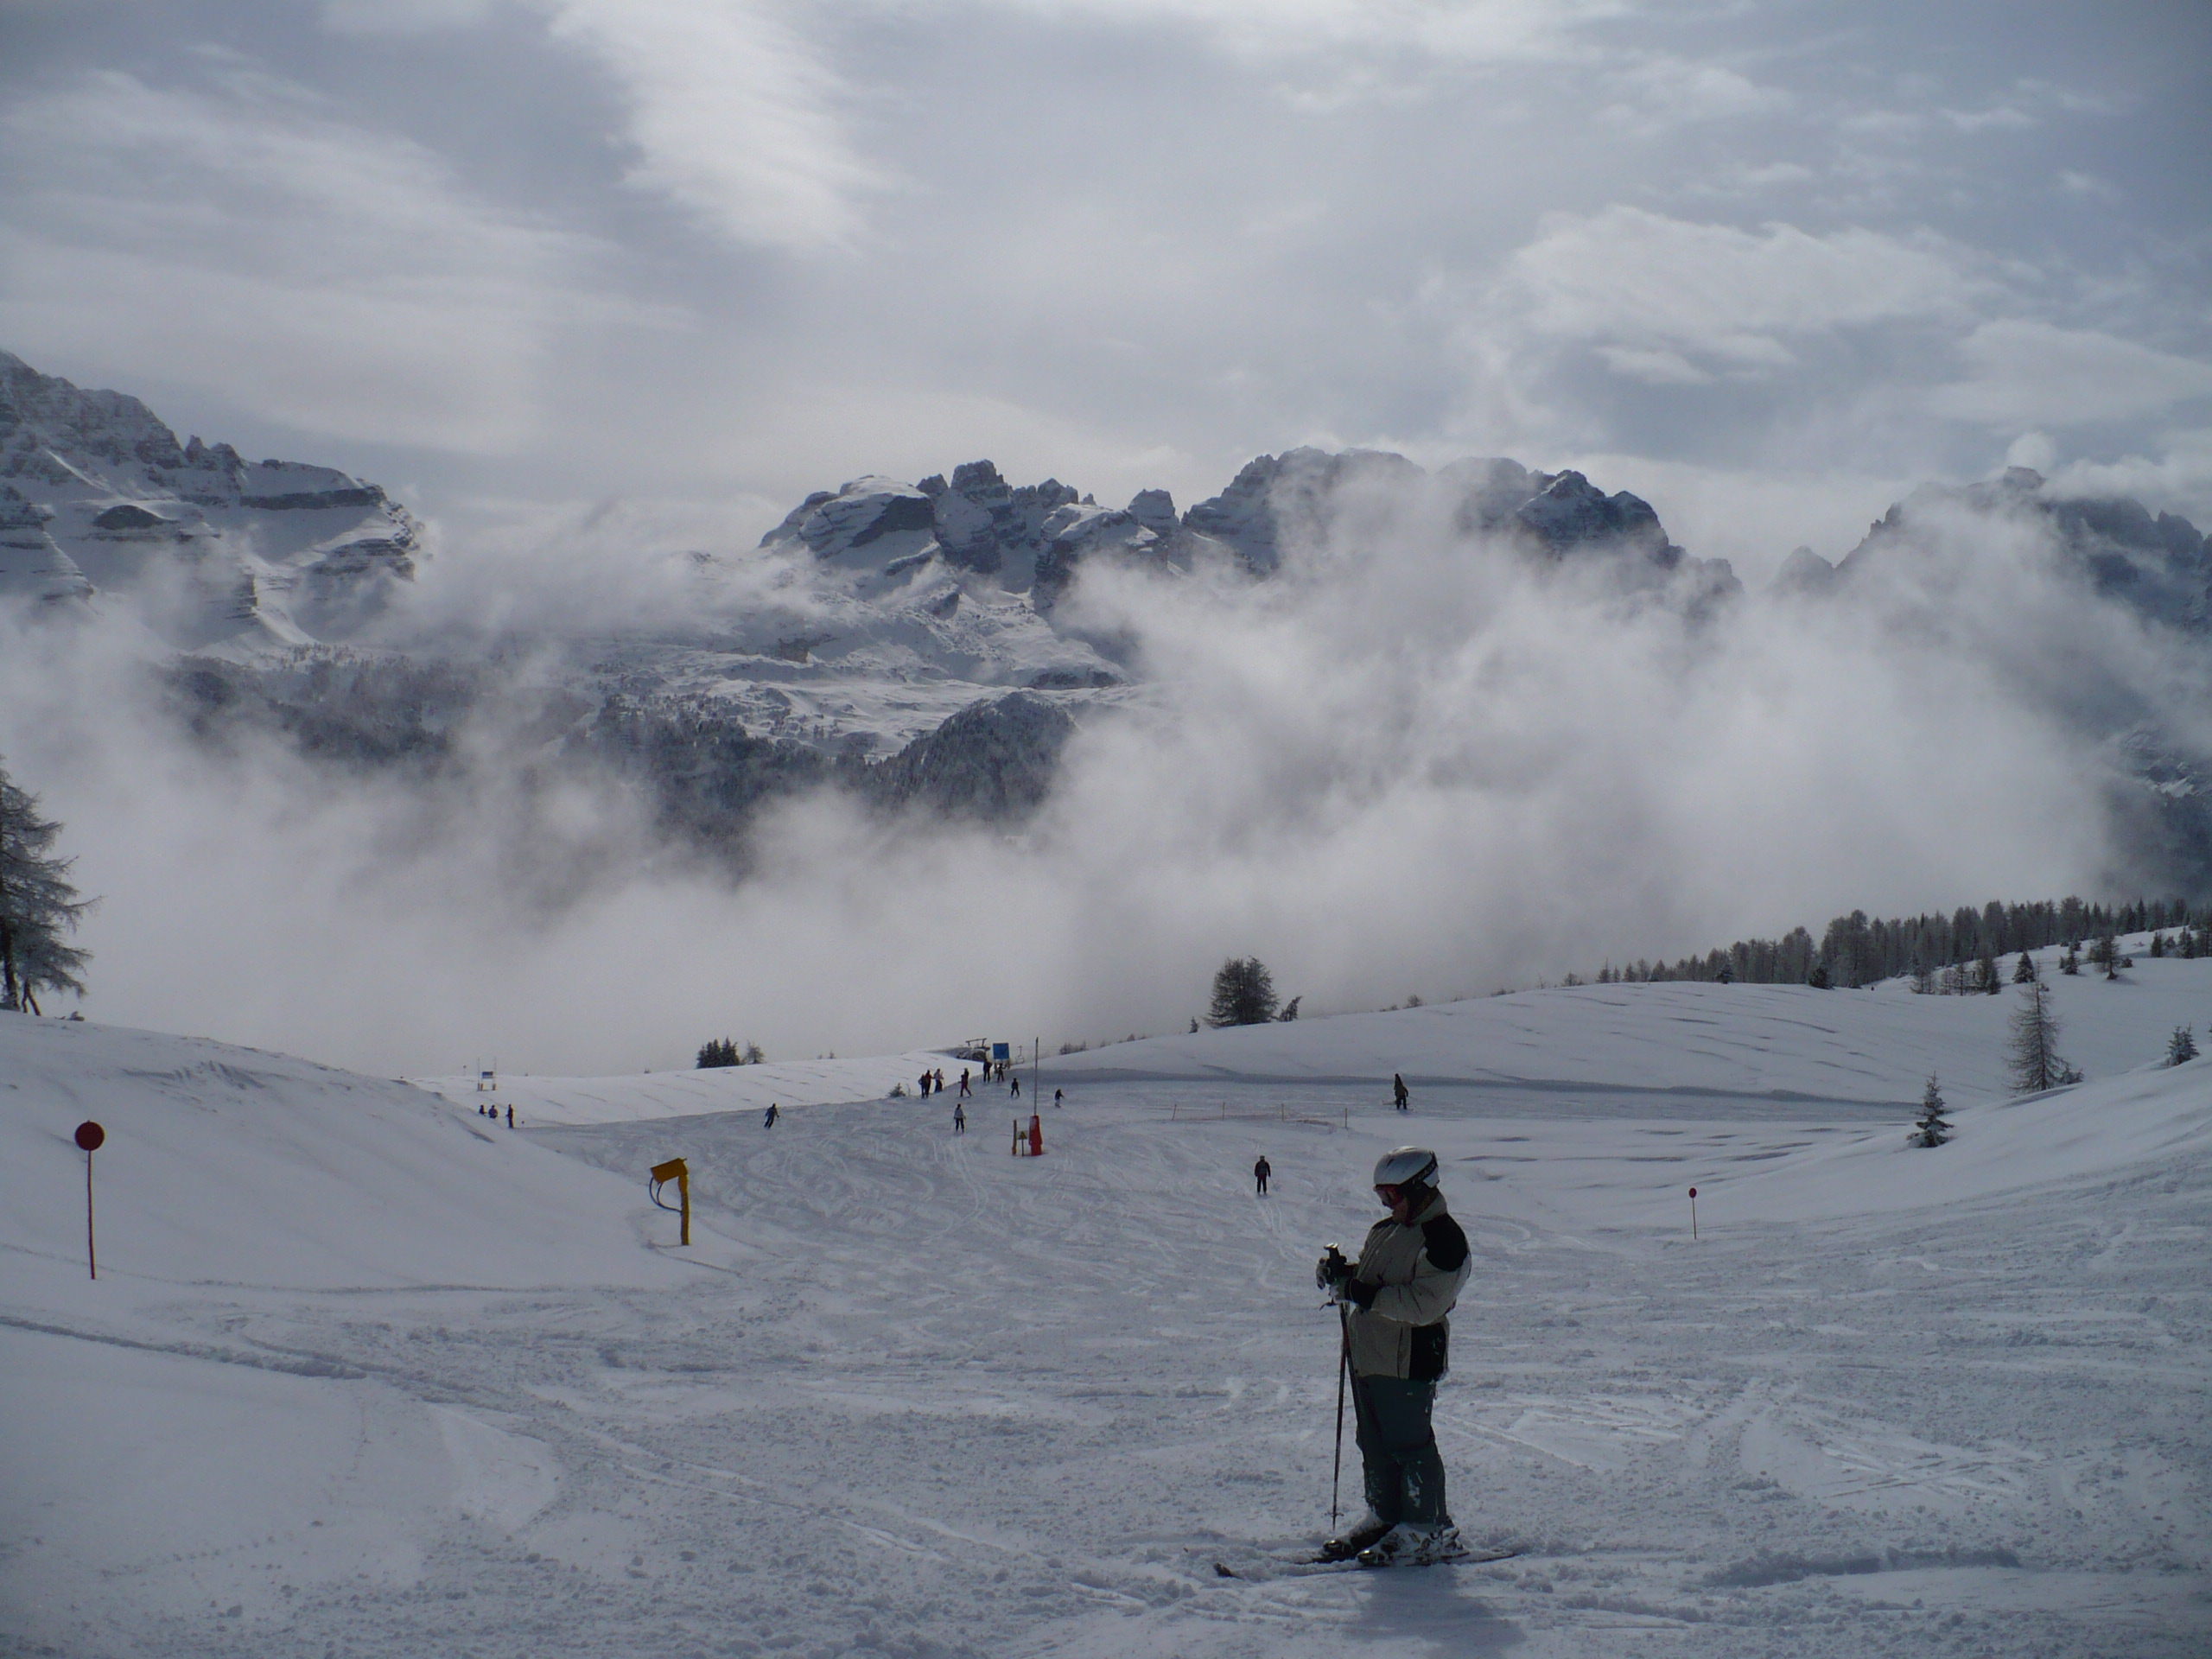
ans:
(367, 1372)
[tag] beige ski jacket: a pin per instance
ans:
(1420, 1266)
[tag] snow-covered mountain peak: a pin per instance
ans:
(977, 525)
(1568, 511)
(221, 549)
(1032, 539)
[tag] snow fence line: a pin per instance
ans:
(1221, 1114)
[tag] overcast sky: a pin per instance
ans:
(1765, 265)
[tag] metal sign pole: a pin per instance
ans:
(91, 1137)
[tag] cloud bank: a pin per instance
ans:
(1403, 766)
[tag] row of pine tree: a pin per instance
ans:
(1856, 950)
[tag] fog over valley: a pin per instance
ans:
(935, 746)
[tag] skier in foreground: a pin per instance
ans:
(1410, 1273)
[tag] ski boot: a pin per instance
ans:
(1409, 1544)
(1353, 1539)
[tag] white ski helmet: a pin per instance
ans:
(1407, 1166)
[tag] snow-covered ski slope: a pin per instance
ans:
(541, 1101)
(1635, 1046)
(234, 1166)
(364, 1374)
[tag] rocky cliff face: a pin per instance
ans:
(1035, 539)
(994, 761)
(978, 524)
(31, 561)
(705, 775)
(99, 495)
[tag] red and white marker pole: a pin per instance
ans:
(1693, 1214)
(90, 1136)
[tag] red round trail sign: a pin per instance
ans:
(1692, 1191)
(90, 1135)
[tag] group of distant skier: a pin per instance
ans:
(492, 1112)
(932, 1082)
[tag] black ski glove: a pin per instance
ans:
(1358, 1292)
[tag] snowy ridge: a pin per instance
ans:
(231, 1165)
(1643, 1042)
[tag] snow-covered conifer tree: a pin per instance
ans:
(38, 905)
(2182, 1046)
(1931, 1127)
(2031, 1054)
(1243, 994)
(2105, 954)
(2024, 971)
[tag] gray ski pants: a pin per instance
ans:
(1404, 1474)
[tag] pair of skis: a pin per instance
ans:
(1309, 1565)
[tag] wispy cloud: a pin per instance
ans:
(329, 276)
(2023, 372)
(1663, 92)
(1458, 30)
(733, 117)
(1668, 301)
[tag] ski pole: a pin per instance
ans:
(1343, 1367)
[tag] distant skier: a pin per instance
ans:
(926, 1086)
(1017, 1087)
(768, 1118)
(1397, 1332)
(511, 1117)
(959, 1118)
(963, 1083)
(1056, 1097)
(940, 1079)
(1398, 1090)
(1260, 1171)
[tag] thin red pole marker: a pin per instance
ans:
(91, 1137)
(1693, 1214)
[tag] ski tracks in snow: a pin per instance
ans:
(927, 1398)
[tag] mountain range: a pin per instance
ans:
(920, 644)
